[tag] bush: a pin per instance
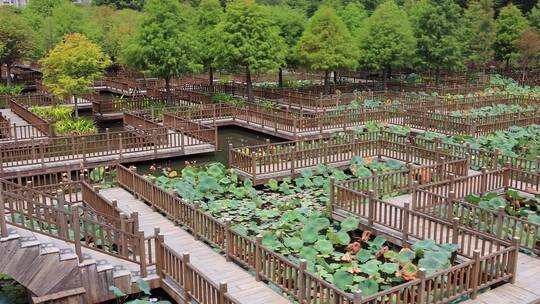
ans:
(83, 126)
(12, 90)
(53, 114)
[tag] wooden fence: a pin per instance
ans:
(445, 200)
(108, 147)
(493, 262)
(37, 122)
(260, 163)
(32, 210)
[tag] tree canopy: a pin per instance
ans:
(479, 31)
(17, 39)
(164, 45)
(249, 40)
(436, 24)
(73, 65)
(326, 44)
(388, 39)
(510, 25)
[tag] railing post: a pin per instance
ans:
(83, 144)
(302, 281)
(42, 153)
(483, 181)
(142, 253)
(332, 194)
(516, 244)
(254, 166)
(120, 147)
(455, 235)
(133, 170)
(422, 287)
(188, 283)
(357, 297)
(228, 240)
(500, 215)
(537, 165)
(371, 213)
(123, 241)
(160, 239)
(3, 225)
(475, 273)
(405, 224)
(195, 228)
(222, 292)
(450, 205)
(414, 196)
(258, 253)
(496, 154)
(60, 217)
(75, 222)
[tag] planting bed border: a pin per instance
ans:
(441, 199)
(493, 262)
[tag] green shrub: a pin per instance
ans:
(83, 126)
(12, 90)
(53, 114)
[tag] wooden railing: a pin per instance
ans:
(91, 148)
(305, 287)
(37, 122)
(445, 200)
(260, 162)
(35, 211)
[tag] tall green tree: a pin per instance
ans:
(209, 14)
(164, 45)
(291, 23)
(388, 40)
(534, 17)
(250, 41)
(17, 39)
(436, 24)
(479, 31)
(510, 25)
(72, 66)
(355, 16)
(528, 46)
(326, 44)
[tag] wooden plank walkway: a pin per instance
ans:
(241, 285)
(16, 120)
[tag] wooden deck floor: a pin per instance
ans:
(16, 120)
(241, 284)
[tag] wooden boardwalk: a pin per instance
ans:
(241, 285)
(22, 128)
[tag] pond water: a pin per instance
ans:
(238, 137)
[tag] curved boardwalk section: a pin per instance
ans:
(241, 285)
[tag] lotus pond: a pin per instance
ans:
(493, 110)
(515, 142)
(293, 219)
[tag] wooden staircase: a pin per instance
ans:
(50, 270)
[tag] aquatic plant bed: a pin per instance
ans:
(502, 203)
(263, 162)
(277, 231)
(518, 146)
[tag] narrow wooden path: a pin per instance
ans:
(241, 285)
(20, 124)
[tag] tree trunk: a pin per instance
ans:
(437, 74)
(249, 85)
(507, 64)
(335, 77)
(211, 79)
(8, 77)
(280, 78)
(326, 84)
(75, 106)
(168, 89)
